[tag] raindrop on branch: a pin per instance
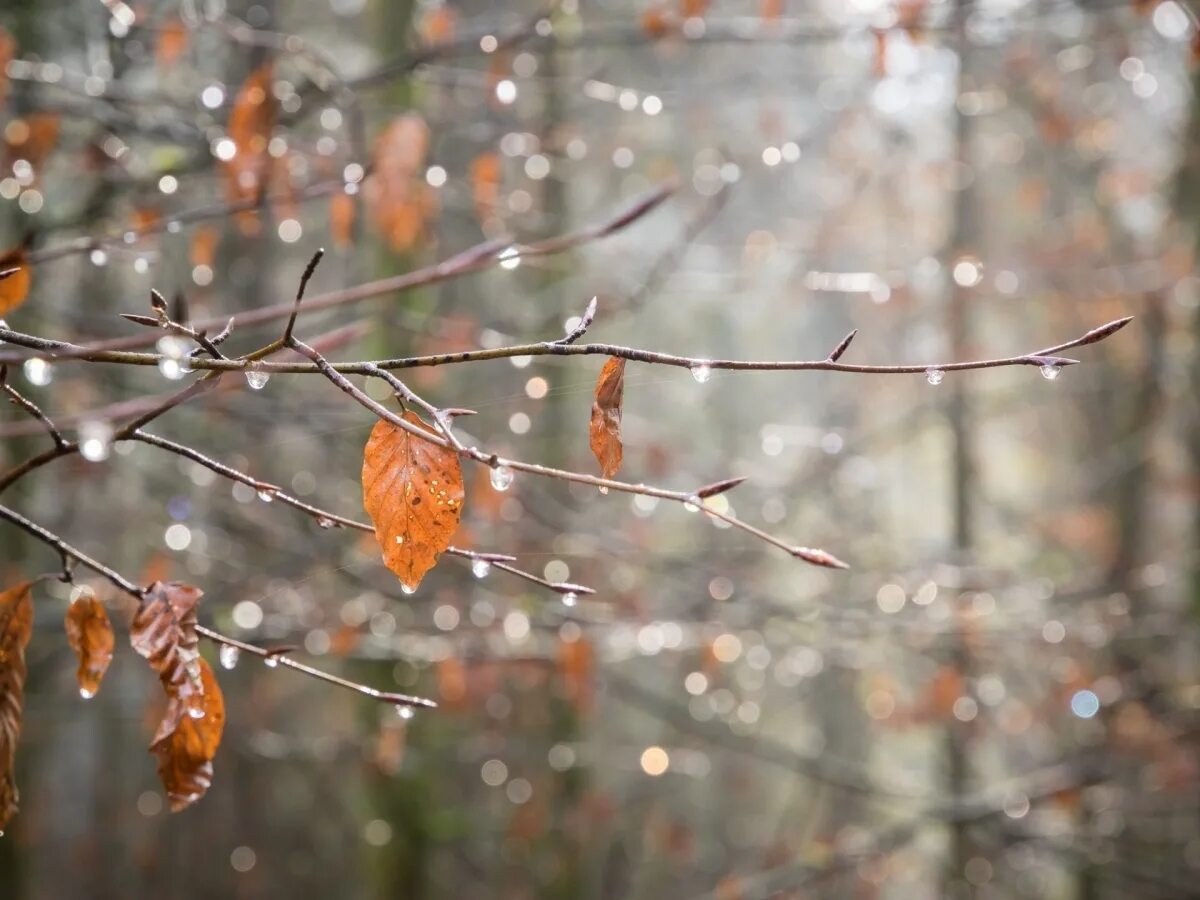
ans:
(229, 656)
(934, 376)
(480, 568)
(1050, 372)
(271, 662)
(570, 598)
(257, 379)
(502, 478)
(701, 372)
(404, 712)
(266, 496)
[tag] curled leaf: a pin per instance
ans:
(186, 743)
(605, 429)
(164, 632)
(14, 288)
(413, 492)
(16, 627)
(91, 637)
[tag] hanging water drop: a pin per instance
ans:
(701, 372)
(502, 478)
(86, 694)
(196, 712)
(38, 372)
(266, 496)
(324, 522)
(404, 712)
(257, 379)
(570, 598)
(603, 489)
(934, 376)
(407, 589)
(229, 656)
(95, 440)
(480, 568)
(1050, 372)
(271, 662)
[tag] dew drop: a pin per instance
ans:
(407, 589)
(603, 489)
(404, 712)
(502, 478)
(701, 372)
(271, 662)
(934, 376)
(1050, 372)
(266, 496)
(257, 379)
(570, 598)
(86, 694)
(229, 656)
(323, 522)
(480, 568)
(196, 712)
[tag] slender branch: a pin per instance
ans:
(124, 584)
(32, 408)
(63, 350)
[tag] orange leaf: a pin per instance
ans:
(172, 42)
(187, 740)
(91, 637)
(605, 429)
(16, 627)
(250, 123)
(341, 219)
(413, 492)
(15, 288)
(8, 49)
(486, 171)
(437, 25)
(164, 632)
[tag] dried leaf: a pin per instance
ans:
(91, 637)
(250, 123)
(486, 173)
(342, 213)
(164, 632)
(8, 49)
(186, 742)
(172, 43)
(413, 492)
(437, 25)
(399, 196)
(605, 429)
(15, 288)
(16, 627)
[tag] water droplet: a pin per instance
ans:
(502, 478)
(266, 496)
(407, 589)
(934, 376)
(404, 712)
(86, 694)
(196, 712)
(701, 372)
(271, 662)
(95, 440)
(38, 372)
(603, 489)
(257, 379)
(323, 522)
(480, 568)
(229, 656)
(510, 258)
(171, 369)
(1050, 372)
(570, 598)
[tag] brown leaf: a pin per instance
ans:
(413, 492)
(16, 627)
(342, 213)
(172, 43)
(186, 742)
(605, 429)
(400, 198)
(250, 123)
(164, 632)
(15, 288)
(91, 637)
(8, 49)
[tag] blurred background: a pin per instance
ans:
(1000, 699)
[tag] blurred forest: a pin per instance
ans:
(1000, 698)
